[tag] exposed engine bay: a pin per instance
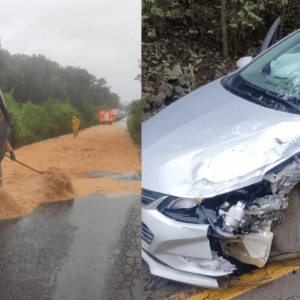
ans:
(241, 221)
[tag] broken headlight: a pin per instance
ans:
(185, 203)
(190, 210)
(183, 210)
(227, 214)
(149, 197)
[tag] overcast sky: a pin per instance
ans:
(103, 37)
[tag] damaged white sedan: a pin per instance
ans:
(218, 167)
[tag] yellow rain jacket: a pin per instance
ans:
(75, 124)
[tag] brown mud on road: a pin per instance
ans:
(100, 148)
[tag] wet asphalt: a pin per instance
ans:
(285, 288)
(86, 248)
(122, 122)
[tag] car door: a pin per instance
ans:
(271, 37)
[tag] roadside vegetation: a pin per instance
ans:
(134, 122)
(33, 123)
(187, 44)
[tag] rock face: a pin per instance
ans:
(182, 81)
(166, 88)
(175, 82)
(177, 69)
(146, 95)
(179, 90)
(160, 98)
(149, 89)
(169, 91)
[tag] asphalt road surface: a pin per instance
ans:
(82, 249)
(122, 121)
(284, 288)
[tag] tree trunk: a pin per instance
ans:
(235, 43)
(224, 30)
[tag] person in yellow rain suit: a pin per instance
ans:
(75, 125)
(12, 157)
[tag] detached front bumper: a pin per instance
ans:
(181, 251)
(161, 270)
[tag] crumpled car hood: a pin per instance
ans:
(211, 142)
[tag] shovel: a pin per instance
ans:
(26, 166)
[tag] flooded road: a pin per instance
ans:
(68, 250)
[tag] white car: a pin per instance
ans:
(217, 168)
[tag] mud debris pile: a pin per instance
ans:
(8, 205)
(55, 183)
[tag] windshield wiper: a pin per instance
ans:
(274, 95)
(264, 92)
(247, 93)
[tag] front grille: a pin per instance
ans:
(147, 235)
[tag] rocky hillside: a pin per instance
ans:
(172, 69)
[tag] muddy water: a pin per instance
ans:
(63, 250)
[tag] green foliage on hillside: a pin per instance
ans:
(34, 123)
(134, 121)
(247, 22)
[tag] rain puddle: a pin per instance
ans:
(124, 177)
(63, 250)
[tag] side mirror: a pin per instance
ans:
(242, 62)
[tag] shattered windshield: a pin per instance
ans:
(273, 80)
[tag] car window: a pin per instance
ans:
(273, 79)
(278, 71)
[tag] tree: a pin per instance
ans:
(36, 79)
(224, 30)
